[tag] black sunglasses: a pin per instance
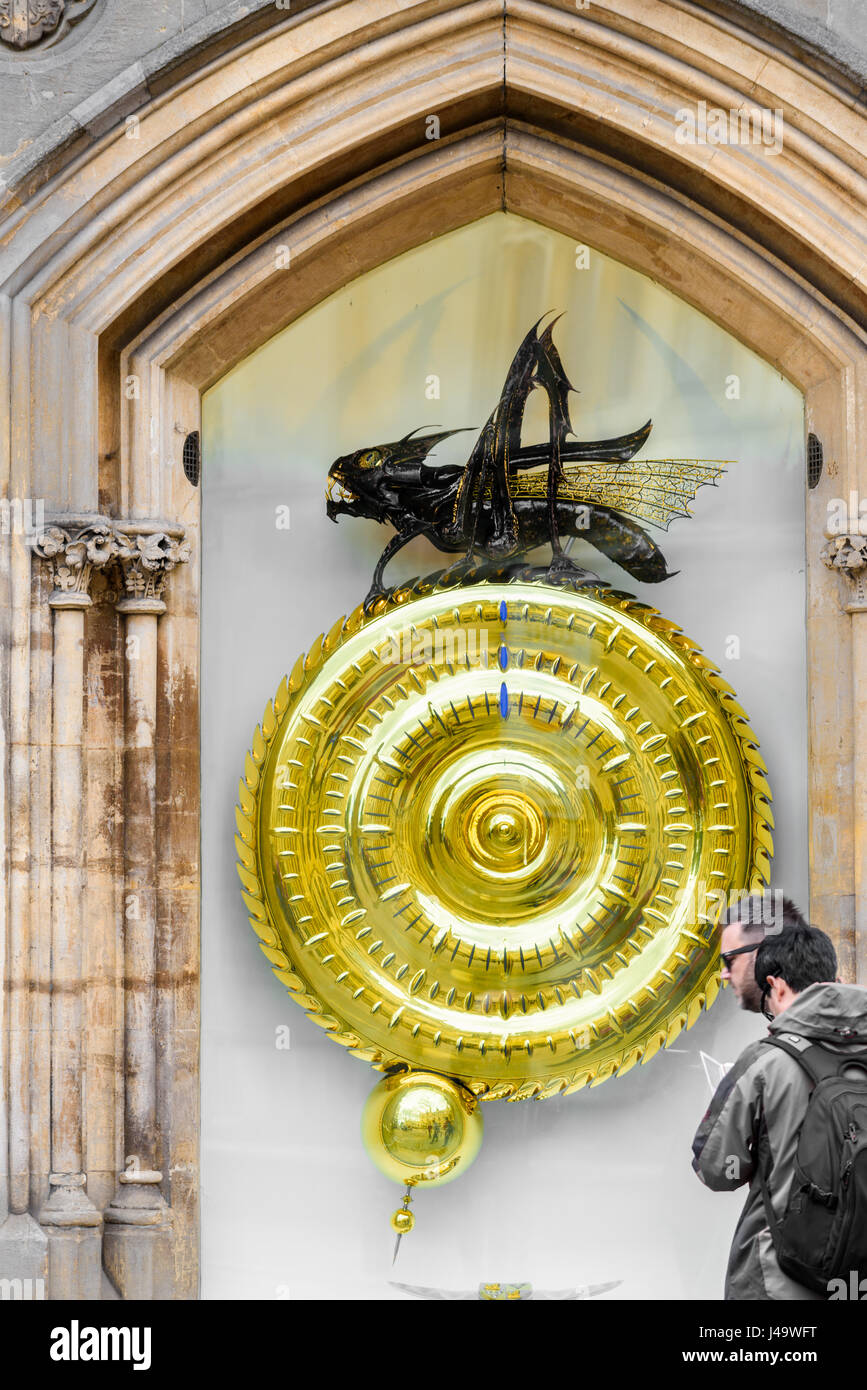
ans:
(728, 956)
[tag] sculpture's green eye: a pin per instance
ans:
(369, 458)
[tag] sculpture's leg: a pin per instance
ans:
(464, 522)
(504, 540)
(397, 542)
(485, 471)
(555, 478)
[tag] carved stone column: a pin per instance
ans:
(23, 1243)
(138, 1238)
(72, 1224)
(847, 556)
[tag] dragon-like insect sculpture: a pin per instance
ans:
(510, 497)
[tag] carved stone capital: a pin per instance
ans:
(848, 556)
(142, 554)
(74, 549)
(147, 557)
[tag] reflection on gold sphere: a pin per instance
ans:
(421, 1128)
(402, 1221)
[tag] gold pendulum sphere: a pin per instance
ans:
(419, 1127)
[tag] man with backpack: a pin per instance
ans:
(790, 1118)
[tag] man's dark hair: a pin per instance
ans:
(800, 955)
(762, 913)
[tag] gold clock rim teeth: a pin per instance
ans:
(756, 837)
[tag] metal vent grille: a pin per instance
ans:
(815, 460)
(193, 457)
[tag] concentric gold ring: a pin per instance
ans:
(505, 833)
(483, 830)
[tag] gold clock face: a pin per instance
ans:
(484, 830)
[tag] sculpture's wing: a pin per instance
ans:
(654, 490)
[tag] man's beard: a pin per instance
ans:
(750, 998)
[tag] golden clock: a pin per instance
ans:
(484, 828)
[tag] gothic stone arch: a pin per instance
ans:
(139, 267)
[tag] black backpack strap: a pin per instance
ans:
(817, 1061)
(762, 1169)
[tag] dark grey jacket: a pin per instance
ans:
(752, 1127)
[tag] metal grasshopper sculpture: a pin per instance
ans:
(501, 504)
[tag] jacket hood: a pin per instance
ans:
(836, 1012)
